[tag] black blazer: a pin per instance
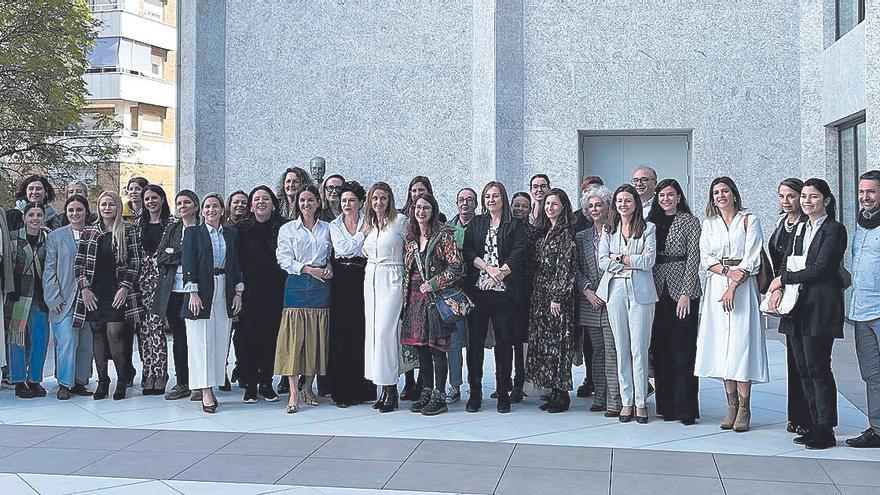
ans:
(511, 251)
(819, 311)
(198, 267)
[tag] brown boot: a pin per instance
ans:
(743, 415)
(732, 405)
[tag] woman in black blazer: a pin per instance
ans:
(817, 319)
(494, 245)
(213, 285)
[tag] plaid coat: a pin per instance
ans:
(126, 272)
(24, 262)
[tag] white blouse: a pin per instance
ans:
(299, 247)
(346, 245)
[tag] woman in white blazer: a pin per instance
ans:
(627, 252)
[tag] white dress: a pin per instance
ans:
(383, 300)
(731, 345)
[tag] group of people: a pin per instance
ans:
(331, 281)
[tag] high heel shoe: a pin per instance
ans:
(391, 400)
(626, 418)
(382, 396)
(642, 420)
(210, 408)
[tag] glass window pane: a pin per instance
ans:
(862, 151)
(847, 197)
(847, 15)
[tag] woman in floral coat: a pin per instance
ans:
(432, 262)
(552, 305)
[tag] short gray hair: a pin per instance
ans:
(79, 183)
(597, 191)
(649, 169)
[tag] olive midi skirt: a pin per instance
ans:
(303, 339)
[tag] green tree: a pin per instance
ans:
(44, 48)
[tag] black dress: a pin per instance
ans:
(262, 300)
(347, 333)
(798, 408)
(105, 285)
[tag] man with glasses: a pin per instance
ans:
(539, 186)
(466, 203)
(645, 181)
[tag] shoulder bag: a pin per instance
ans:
(790, 292)
(452, 303)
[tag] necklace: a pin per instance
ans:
(789, 227)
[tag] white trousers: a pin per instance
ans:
(631, 325)
(208, 342)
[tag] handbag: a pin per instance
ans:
(790, 292)
(765, 270)
(452, 303)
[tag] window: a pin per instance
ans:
(154, 9)
(849, 14)
(151, 124)
(157, 66)
(853, 157)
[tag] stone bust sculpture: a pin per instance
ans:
(317, 167)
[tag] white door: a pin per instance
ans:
(615, 157)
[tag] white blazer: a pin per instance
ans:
(642, 255)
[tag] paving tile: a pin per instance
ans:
(205, 488)
(747, 467)
(852, 472)
(342, 473)
(370, 449)
(10, 483)
(857, 490)
(27, 436)
(150, 465)
(452, 452)
(192, 442)
(528, 481)
(561, 457)
(274, 444)
(51, 484)
(5, 451)
(652, 484)
(145, 488)
(240, 468)
(438, 477)
(751, 487)
(50, 461)
(96, 438)
(664, 462)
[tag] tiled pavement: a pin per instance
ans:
(252, 461)
(149, 445)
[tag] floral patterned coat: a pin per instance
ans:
(444, 263)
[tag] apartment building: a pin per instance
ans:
(133, 77)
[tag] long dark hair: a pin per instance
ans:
(657, 210)
(637, 223)
(822, 187)
(318, 208)
(711, 210)
(49, 191)
(505, 202)
(564, 217)
(164, 211)
(413, 231)
(78, 198)
(409, 200)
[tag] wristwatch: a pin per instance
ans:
(724, 270)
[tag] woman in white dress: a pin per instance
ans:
(730, 343)
(385, 231)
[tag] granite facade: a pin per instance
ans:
(468, 91)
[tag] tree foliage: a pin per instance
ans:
(44, 48)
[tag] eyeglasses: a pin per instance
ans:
(540, 186)
(641, 180)
(463, 201)
(333, 188)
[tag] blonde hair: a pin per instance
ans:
(118, 227)
(370, 219)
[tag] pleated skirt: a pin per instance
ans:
(303, 339)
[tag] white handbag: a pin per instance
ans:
(790, 292)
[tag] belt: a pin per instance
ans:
(219, 271)
(662, 258)
(730, 261)
(355, 261)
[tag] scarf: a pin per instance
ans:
(663, 222)
(869, 220)
(27, 266)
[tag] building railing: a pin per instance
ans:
(106, 5)
(129, 72)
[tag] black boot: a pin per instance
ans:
(102, 390)
(516, 395)
(551, 400)
(423, 401)
(475, 400)
(503, 405)
(563, 402)
(119, 393)
(382, 397)
(391, 400)
(411, 388)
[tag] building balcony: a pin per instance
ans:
(150, 149)
(112, 83)
(125, 19)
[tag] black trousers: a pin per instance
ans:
(813, 357)
(255, 351)
(798, 407)
(178, 333)
(497, 308)
(433, 368)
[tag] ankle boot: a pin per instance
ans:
(119, 393)
(732, 406)
(563, 402)
(391, 400)
(743, 415)
(551, 401)
(382, 396)
(102, 391)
